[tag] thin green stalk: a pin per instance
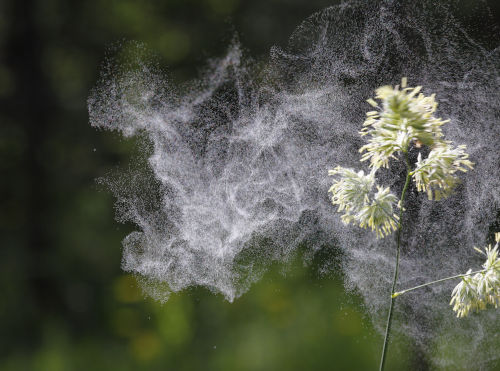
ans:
(438, 281)
(396, 270)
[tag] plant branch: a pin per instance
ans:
(438, 281)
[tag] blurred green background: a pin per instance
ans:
(65, 304)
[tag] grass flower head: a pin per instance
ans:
(403, 115)
(436, 174)
(476, 292)
(353, 194)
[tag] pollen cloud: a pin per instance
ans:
(236, 175)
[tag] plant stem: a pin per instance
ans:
(396, 269)
(438, 281)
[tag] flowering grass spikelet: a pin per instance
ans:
(352, 192)
(464, 296)
(378, 214)
(404, 115)
(476, 292)
(436, 174)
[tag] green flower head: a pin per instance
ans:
(436, 174)
(403, 115)
(476, 292)
(353, 193)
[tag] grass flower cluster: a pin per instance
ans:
(476, 292)
(403, 116)
(436, 174)
(353, 193)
